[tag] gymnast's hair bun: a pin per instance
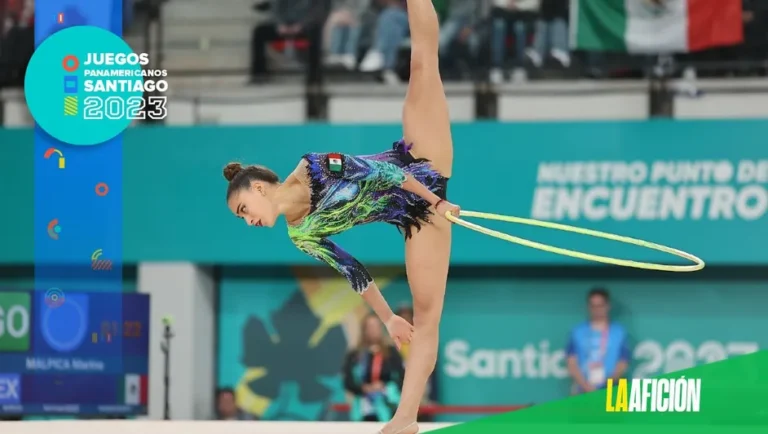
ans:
(231, 170)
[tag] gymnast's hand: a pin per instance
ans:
(444, 206)
(400, 330)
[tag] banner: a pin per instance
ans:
(502, 341)
(655, 26)
(701, 187)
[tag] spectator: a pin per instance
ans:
(460, 24)
(373, 375)
(515, 14)
(343, 32)
(293, 19)
(598, 348)
(17, 41)
(226, 407)
(391, 31)
(755, 19)
(551, 36)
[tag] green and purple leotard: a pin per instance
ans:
(348, 191)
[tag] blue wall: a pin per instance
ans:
(174, 206)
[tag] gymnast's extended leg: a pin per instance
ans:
(426, 125)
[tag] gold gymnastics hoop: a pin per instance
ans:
(698, 263)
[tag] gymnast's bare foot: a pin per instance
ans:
(392, 428)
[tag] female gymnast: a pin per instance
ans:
(406, 186)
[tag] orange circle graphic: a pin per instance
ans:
(70, 59)
(102, 189)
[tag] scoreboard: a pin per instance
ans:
(79, 353)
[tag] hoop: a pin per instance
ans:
(698, 263)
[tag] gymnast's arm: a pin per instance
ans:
(358, 277)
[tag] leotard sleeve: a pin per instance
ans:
(383, 174)
(329, 252)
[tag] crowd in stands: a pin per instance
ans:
(495, 39)
(505, 39)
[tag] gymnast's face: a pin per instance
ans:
(254, 205)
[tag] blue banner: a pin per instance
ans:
(77, 214)
(77, 189)
(699, 186)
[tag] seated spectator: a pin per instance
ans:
(343, 30)
(459, 26)
(373, 375)
(515, 14)
(391, 30)
(293, 19)
(226, 407)
(17, 41)
(551, 38)
(597, 349)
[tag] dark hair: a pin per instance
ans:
(240, 176)
(362, 345)
(600, 292)
(224, 391)
(405, 309)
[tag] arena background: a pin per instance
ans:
(508, 310)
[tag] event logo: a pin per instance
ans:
(14, 321)
(659, 190)
(84, 86)
(541, 362)
(54, 229)
(51, 151)
(54, 298)
(102, 189)
(532, 361)
(652, 358)
(98, 264)
(272, 386)
(10, 389)
(653, 395)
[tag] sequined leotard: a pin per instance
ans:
(347, 191)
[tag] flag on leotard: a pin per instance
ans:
(655, 26)
(335, 163)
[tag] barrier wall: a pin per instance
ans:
(668, 181)
(502, 337)
(194, 102)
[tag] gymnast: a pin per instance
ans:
(329, 193)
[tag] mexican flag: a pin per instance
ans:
(655, 26)
(135, 389)
(335, 162)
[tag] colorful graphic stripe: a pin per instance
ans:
(86, 223)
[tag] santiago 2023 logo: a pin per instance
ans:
(84, 85)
